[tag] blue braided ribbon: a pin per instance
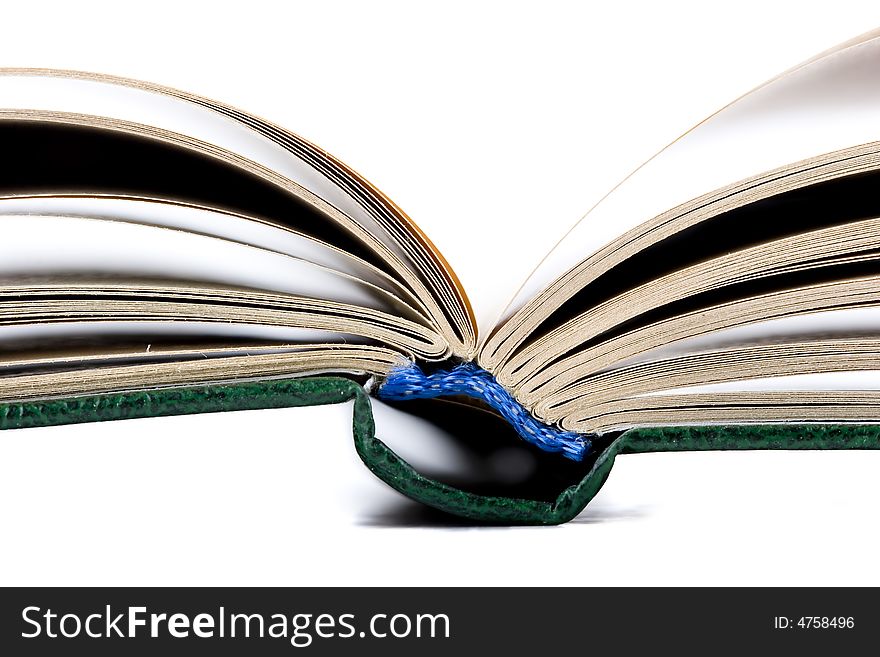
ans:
(409, 382)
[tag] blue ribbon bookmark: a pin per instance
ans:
(409, 382)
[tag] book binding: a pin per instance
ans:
(397, 473)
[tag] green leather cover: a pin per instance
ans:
(386, 465)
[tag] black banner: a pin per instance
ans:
(119, 621)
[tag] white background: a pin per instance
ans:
(503, 120)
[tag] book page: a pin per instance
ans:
(829, 103)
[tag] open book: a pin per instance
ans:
(164, 253)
